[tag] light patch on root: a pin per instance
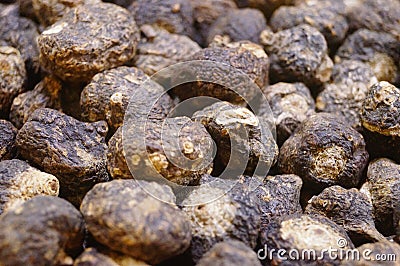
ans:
(328, 163)
(324, 71)
(294, 102)
(366, 190)
(85, 157)
(55, 29)
(7, 50)
(392, 131)
(255, 49)
(188, 147)
(117, 98)
(293, 105)
(213, 219)
(239, 115)
(38, 182)
(384, 67)
(135, 160)
(159, 161)
(307, 233)
(350, 4)
(29, 184)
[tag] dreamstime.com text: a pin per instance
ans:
(331, 253)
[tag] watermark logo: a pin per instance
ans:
(341, 252)
(136, 124)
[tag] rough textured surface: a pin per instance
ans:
(228, 124)
(332, 25)
(325, 151)
(245, 56)
(314, 164)
(88, 40)
(95, 99)
(12, 77)
(383, 185)
(348, 208)
(7, 140)
(181, 156)
(239, 25)
(380, 253)
(304, 232)
(377, 15)
(381, 109)
(116, 160)
(73, 151)
(108, 94)
(291, 104)
(380, 117)
(345, 93)
(45, 230)
(298, 54)
(229, 253)
(20, 182)
(378, 49)
(176, 16)
(206, 12)
(278, 197)
(122, 216)
(49, 12)
(45, 94)
(266, 6)
(159, 49)
(235, 215)
(21, 33)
